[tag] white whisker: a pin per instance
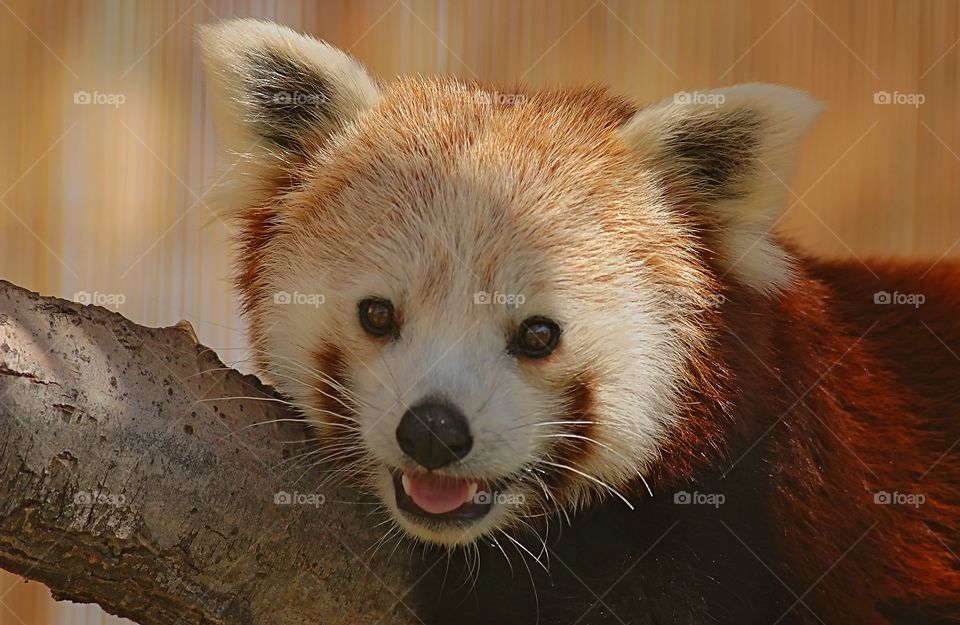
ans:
(591, 478)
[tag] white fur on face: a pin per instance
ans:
(617, 334)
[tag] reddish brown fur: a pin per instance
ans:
(843, 409)
(879, 420)
(331, 401)
(582, 415)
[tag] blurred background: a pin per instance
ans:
(108, 148)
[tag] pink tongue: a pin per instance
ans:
(436, 495)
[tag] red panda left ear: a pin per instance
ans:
(730, 153)
(278, 96)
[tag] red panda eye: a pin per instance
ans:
(536, 337)
(377, 316)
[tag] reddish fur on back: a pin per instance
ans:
(845, 398)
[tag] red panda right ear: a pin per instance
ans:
(728, 154)
(278, 96)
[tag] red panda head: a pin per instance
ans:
(485, 301)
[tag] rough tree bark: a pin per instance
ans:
(129, 478)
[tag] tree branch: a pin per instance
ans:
(130, 476)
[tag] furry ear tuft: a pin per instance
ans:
(730, 152)
(279, 95)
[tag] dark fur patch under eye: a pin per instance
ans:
(288, 98)
(330, 400)
(717, 152)
(579, 403)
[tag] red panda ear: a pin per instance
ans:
(730, 152)
(278, 95)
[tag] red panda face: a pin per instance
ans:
(486, 304)
(461, 315)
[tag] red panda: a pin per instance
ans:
(511, 311)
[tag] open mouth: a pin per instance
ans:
(441, 498)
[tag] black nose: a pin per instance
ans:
(434, 434)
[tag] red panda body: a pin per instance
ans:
(840, 480)
(867, 460)
(551, 335)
